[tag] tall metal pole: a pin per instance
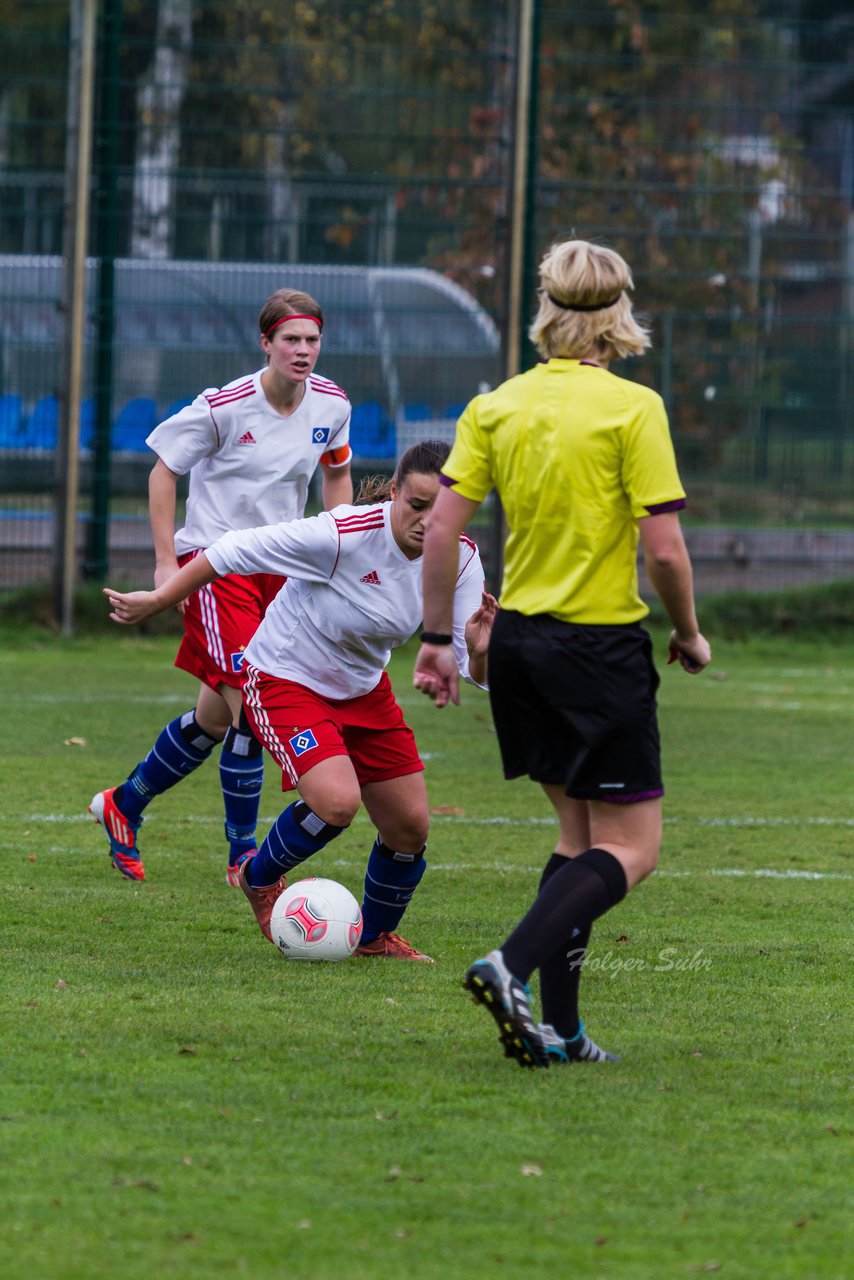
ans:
(523, 89)
(846, 328)
(81, 76)
(521, 223)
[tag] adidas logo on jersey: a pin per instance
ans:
(372, 579)
(247, 438)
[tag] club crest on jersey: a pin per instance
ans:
(320, 435)
(302, 742)
(237, 661)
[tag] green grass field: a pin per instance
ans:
(178, 1101)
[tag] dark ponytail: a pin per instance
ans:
(426, 458)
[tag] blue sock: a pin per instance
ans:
(241, 774)
(182, 747)
(294, 836)
(391, 879)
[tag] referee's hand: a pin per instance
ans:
(436, 674)
(693, 653)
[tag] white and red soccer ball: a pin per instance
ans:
(316, 919)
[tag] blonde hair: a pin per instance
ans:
(579, 274)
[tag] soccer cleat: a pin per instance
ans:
(232, 875)
(390, 946)
(121, 834)
(261, 900)
(579, 1049)
(492, 984)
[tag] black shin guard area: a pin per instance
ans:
(314, 825)
(241, 742)
(193, 733)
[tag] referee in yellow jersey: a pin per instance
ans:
(584, 465)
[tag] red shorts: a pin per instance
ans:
(219, 621)
(300, 728)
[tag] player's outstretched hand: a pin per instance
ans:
(131, 607)
(693, 653)
(479, 626)
(436, 674)
(162, 573)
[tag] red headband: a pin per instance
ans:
(284, 320)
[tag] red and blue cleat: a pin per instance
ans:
(120, 832)
(232, 875)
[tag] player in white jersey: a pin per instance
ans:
(250, 448)
(317, 694)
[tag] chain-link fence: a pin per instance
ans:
(366, 152)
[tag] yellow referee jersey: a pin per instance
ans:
(577, 455)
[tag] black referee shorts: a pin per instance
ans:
(575, 706)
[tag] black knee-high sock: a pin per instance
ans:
(573, 897)
(560, 973)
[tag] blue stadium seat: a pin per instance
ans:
(371, 434)
(40, 430)
(42, 427)
(175, 407)
(455, 410)
(87, 422)
(417, 413)
(11, 420)
(369, 414)
(134, 422)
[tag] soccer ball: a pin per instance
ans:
(316, 919)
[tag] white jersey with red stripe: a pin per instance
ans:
(351, 597)
(249, 465)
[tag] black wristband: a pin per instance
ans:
(435, 637)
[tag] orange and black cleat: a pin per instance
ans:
(261, 900)
(390, 946)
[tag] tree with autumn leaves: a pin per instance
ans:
(660, 130)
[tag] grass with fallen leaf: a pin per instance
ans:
(180, 1102)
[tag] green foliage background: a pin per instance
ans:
(708, 146)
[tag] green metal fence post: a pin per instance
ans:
(106, 224)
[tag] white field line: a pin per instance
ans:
(188, 698)
(779, 694)
(737, 872)
(512, 867)
(185, 699)
(463, 820)
(768, 873)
